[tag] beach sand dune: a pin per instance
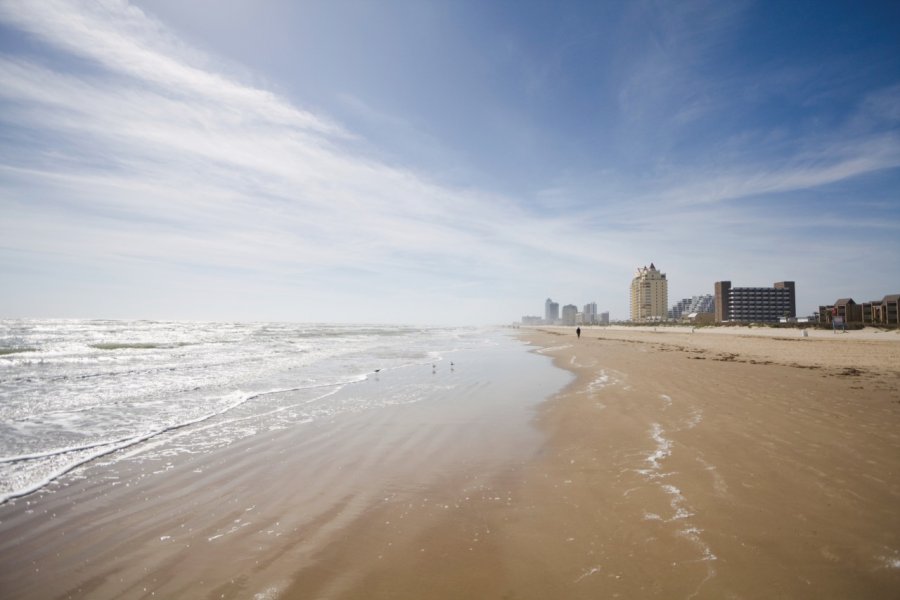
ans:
(674, 465)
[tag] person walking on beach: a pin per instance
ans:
(578, 332)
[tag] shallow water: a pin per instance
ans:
(73, 391)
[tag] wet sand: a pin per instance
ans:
(257, 518)
(675, 465)
(715, 466)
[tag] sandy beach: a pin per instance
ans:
(681, 466)
(674, 465)
(719, 464)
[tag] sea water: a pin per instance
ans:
(72, 391)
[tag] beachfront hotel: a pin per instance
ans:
(691, 306)
(755, 304)
(649, 295)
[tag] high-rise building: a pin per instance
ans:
(589, 313)
(569, 313)
(649, 295)
(604, 318)
(551, 311)
(756, 304)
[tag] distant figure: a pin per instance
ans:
(578, 332)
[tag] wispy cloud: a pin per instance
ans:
(126, 148)
(156, 159)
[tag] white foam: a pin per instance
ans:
(588, 573)
(681, 511)
(677, 503)
(552, 348)
(601, 381)
(695, 418)
(122, 390)
(268, 594)
(663, 447)
(672, 490)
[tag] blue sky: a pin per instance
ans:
(440, 162)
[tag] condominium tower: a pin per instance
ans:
(589, 313)
(756, 304)
(649, 295)
(551, 311)
(569, 314)
(695, 304)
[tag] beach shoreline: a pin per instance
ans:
(752, 472)
(730, 468)
(673, 465)
(252, 518)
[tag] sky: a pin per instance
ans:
(441, 162)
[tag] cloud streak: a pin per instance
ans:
(215, 173)
(144, 157)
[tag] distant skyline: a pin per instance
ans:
(450, 162)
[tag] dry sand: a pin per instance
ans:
(675, 465)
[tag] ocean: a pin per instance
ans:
(77, 392)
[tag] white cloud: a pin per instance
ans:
(146, 160)
(158, 160)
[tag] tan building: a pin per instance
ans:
(649, 295)
(877, 312)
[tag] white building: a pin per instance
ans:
(569, 313)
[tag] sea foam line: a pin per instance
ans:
(61, 451)
(601, 381)
(124, 443)
(678, 503)
(140, 437)
(552, 348)
(148, 447)
(663, 451)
